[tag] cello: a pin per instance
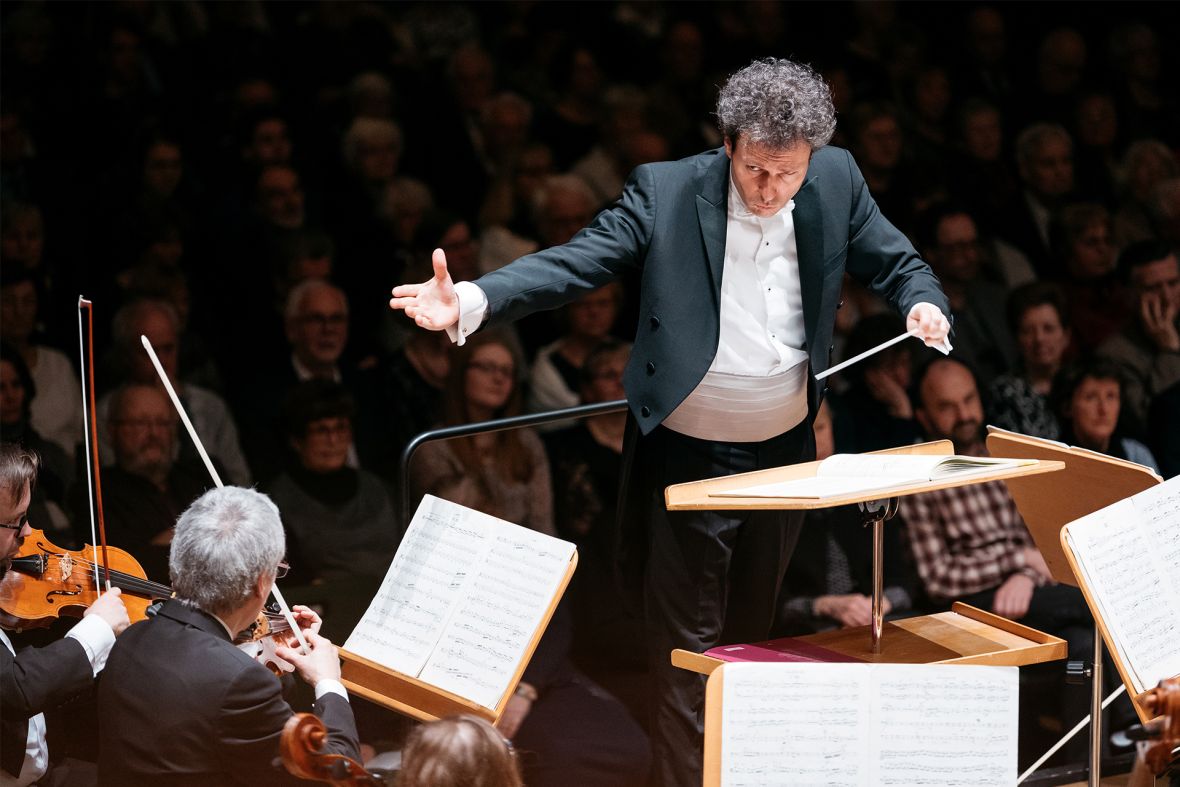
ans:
(300, 747)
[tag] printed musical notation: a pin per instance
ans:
(462, 600)
(1127, 554)
(862, 724)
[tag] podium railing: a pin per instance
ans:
(481, 427)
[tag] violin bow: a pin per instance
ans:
(90, 432)
(192, 432)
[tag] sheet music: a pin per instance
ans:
(1137, 599)
(868, 724)
(787, 726)
(1159, 515)
(421, 589)
(461, 601)
(944, 724)
(502, 606)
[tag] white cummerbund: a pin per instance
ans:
(735, 408)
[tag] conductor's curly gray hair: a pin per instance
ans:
(777, 103)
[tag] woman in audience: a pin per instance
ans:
(1087, 396)
(341, 528)
(577, 732)
(1019, 401)
(458, 751)
(17, 391)
(56, 412)
(556, 375)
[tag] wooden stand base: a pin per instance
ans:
(965, 635)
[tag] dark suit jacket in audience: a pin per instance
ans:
(181, 705)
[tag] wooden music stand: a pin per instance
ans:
(420, 700)
(1091, 481)
(877, 506)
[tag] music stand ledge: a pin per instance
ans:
(877, 505)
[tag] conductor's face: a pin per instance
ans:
(767, 178)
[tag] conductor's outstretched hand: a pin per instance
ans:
(432, 304)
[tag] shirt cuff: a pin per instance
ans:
(96, 637)
(473, 310)
(330, 686)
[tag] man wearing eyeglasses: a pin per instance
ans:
(179, 703)
(33, 680)
(151, 482)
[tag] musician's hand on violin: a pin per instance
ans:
(109, 606)
(308, 620)
(322, 663)
(432, 304)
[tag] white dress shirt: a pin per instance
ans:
(756, 387)
(96, 637)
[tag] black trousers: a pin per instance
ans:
(712, 578)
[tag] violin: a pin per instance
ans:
(267, 632)
(46, 582)
(301, 747)
(1164, 702)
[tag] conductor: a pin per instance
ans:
(741, 251)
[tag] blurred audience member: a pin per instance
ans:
(1148, 348)
(1044, 159)
(158, 321)
(955, 252)
(56, 410)
(1146, 164)
(340, 522)
(56, 476)
(146, 487)
(1087, 396)
(555, 378)
(1097, 302)
(1019, 401)
(875, 411)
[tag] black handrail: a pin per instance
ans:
(497, 425)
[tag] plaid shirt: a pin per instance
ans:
(965, 539)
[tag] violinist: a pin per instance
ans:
(180, 704)
(33, 680)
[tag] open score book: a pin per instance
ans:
(1128, 557)
(847, 474)
(462, 600)
(951, 725)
